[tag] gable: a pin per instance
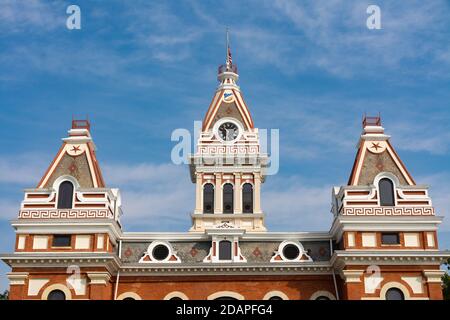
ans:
(75, 166)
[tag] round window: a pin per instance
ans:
(160, 252)
(291, 251)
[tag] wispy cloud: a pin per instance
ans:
(161, 197)
(19, 170)
(155, 196)
(31, 16)
(439, 192)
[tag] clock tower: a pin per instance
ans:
(228, 165)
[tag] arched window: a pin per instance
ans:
(275, 298)
(228, 198)
(322, 298)
(208, 198)
(65, 195)
(247, 198)
(386, 189)
(394, 294)
(225, 250)
(56, 295)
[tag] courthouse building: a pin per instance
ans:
(382, 243)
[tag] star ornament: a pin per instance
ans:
(75, 149)
(376, 146)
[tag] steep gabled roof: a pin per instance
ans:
(375, 155)
(75, 158)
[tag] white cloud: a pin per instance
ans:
(31, 16)
(291, 204)
(24, 169)
(439, 193)
(161, 197)
(332, 36)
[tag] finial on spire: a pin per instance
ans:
(227, 73)
(229, 60)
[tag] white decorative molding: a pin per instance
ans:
(322, 293)
(221, 294)
(77, 284)
(411, 239)
(369, 239)
(433, 276)
(58, 286)
(83, 241)
(35, 285)
(396, 285)
(430, 239)
(275, 293)
(351, 276)
(171, 256)
(176, 294)
(99, 277)
(415, 283)
(388, 211)
(132, 295)
(279, 256)
(17, 278)
(40, 242)
(65, 214)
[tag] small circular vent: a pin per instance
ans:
(160, 252)
(291, 251)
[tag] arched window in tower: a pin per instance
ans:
(228, 198)
(65, 195)
(208, 198)
(225, 250)
(247, 198)
(386, 189)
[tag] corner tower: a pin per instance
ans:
(228, 166)
(385, 227)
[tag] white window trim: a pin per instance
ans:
(395, 185)
(322, 293)
(275, 293)
(279, 252)
(58, 182)
(220, 294)
(133, 295)
(176, 294)
(58, 286)
(149, 252)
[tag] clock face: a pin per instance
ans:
(228, 131)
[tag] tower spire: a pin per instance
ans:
(227, 73)
(229, 61)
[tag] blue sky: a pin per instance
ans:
(141, 69)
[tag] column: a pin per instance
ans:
(237, 193)
(257, 192)
(100, 286)
(433, 283)
(353, 286)
(218, 194)
(17, 285)
(198, 194)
